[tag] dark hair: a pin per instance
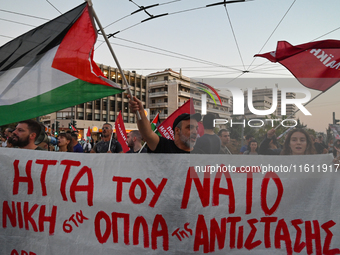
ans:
(249, 136)
(286, 146)
(253, 141)
(221, 131)
(69, 138)
(33, 126)
(74, 135)
(208, 121)
(137, 134)
(107, 123)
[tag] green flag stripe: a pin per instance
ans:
(68, 95)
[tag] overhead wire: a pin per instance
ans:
(273, 32)
(54, 7)
(232, 29)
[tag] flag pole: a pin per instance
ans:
(112, 52)
(303, 105)
(109, 149)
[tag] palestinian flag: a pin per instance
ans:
(155, 123)
(51, 68)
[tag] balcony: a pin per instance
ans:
(158, 94)
(156, 105)
(184, 94)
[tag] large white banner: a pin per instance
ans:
(69, 203)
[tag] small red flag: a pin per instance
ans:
(121, 132)
(316, 65)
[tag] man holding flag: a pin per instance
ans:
(107, 141)
(185, 128)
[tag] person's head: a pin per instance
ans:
(224, 135)
(8, 132)
(134, 138)
(208, 121)
(106, 130)
(65, 142)
(25, 134)
(298, 142)
(320, 137)
(248, 138)
(252, 146)
(185, 130)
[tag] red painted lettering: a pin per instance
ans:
(326, 226)
(143, 191)
(233, 221)
(217, 233)
(201, 235)
(140, 221)
(102, 238)
(17, 178)
(126, 219)
(157, 190)
(267, 221)
(68, 164)
(285, 236)
(163, 232)
(264, 189)
(51, 219)
(120, 181)
(203, 190)
(45, 164)
(217, 190)
(84, 188)
(310, 236)
(249, 244)
(298, 245)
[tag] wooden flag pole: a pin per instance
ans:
(112, 52)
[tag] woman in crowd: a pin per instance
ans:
(298, 142)
(252, 148)
(65, 142)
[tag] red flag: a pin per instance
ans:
(316, 65)
(88, 134)
(121, 132)
(165, 128)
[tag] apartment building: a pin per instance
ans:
(263, 100)
(168, 90)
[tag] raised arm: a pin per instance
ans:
(144, 125)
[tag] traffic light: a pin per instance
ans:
(70, 125)
(334, 119)
(74, 123)
(53, 127)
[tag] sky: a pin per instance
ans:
(206, 43)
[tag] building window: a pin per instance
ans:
(166, 78)
(112, 118)
(89, 116)
(165, 111)
(112, 105)
(153, 101)
(125, 118)
(104, 117)
(165, 100)
(80, 115)
(132, 119)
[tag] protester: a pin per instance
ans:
(244, 147)
(3, 141)
(269, 145)
(65, 142)
(224, 136)
(134, 140)
(185, 131)
(252, 148)
(298, 142)
(87, 146)
(25, 134)
(107, 140)
(76, 145)
(209, 143)
(7, 133)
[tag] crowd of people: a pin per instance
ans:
(186, 140)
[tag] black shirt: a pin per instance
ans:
(167, 146)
